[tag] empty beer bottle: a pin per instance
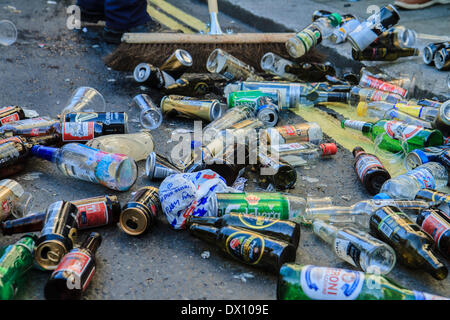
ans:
(75, 271)
(437, 224)
(370, 170)
(92, 212)
(266, 204)
(247, 246)
(113, 122)
(303, 154)
(15, 260)
(312, 35)
(30, 127)
(411, 244)
(307, 282)
(383, 54)
(13, 155)
(434, 195)
(112, 170)
(356, 247)
(358, 94)
(405, 186)
(281, 174)
(195, 84)
(285, 230)
(397, 135)
(299, 132)
(11, 114)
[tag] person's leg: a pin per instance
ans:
(122, 15)
(92, 10)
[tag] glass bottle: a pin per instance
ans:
(134, 145)
(303, 154)
(429, 175)
(437, 224)
(112, 170)
(411, 244)
(356, 247)
(308, 282)
(312, 35)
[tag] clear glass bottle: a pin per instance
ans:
(356, 247)
(230, 67)
(299, 132)
(115, 171)
(303, 154)
(135, 145)
(14, 200)
(312, 35)
(430, 175)
(276, 65)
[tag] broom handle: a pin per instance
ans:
(180, 38)
(212, 6)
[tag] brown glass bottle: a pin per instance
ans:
(53, 139)
(437, 224)
(13, 153)
(411, 244)
(383, 54)
(246, 246)
(284, 230)
(11, 114)
(92, 212)
(73, 274)
(370, 170)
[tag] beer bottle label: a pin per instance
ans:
(424, 177)
(398, 129)
(92, 215)
(310, 37)
(78, 131)
(390, 224)
(246, 247)
(382, 85)
(347, 251)
(366, 162)
(354, 124)
(271, 205)
(75, 263)
(322, 283)
(435, 226)
(11, 118)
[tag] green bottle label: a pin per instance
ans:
(310, 37)
(246, 247)
(266, 204)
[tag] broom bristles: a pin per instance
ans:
(128, 55)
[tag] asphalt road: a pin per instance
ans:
(40, 72)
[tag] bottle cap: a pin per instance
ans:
(361, 109)
(381, 196)
(328, 149)
(335, 19)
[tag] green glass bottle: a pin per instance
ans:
(411, 244)
(397, 134)
(307, 282)
(267, 204)
(15, 260)
(246, 246)
(285, 230)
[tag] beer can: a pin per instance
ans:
(149, 74)
(430, 51)
(57, 235)
(442, 59)
(113, 122)
(141, 212)
(11, 114)
(192, 108)
(420, 156)
(268, 112)
(178, 63)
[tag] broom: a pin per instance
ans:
(154, 48)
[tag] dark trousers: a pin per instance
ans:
(120, 15)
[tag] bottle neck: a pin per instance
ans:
(436, 268)
(325, 231)
(206, 233)
(205, 221)
(43, 152)
(30, 223)
(364, 127)
(92, 243)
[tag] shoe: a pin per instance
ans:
(418, 4)
(115, 36)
